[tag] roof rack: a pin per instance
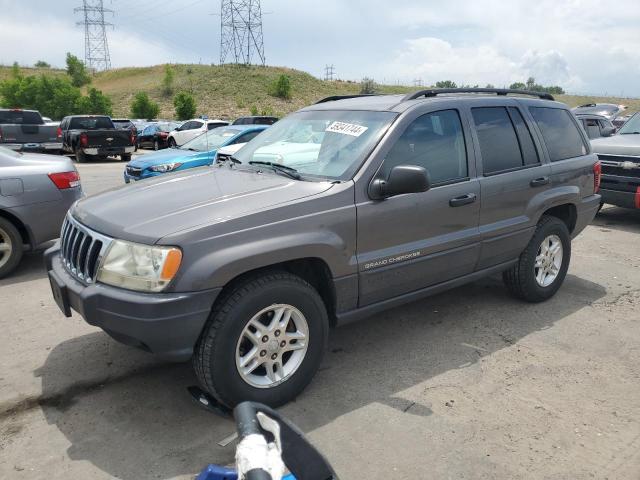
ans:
(344, 97)
(498, 91)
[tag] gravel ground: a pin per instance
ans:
(469, 384)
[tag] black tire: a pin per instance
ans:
(156, 145)
(171, 143)
(214, 357)
(521, 279)
(9, 232)
(125, 157)
(80, 155)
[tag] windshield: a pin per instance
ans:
(631, 126)
(167, 126)
(211, 140)
(326, 144)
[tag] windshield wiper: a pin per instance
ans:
(289, 171)
(233, 159)
(630, 133)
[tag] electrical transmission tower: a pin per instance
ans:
(329, 72)
(241, 32)
(96, 48)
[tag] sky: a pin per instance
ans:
(585, 46)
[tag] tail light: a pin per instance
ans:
(0, 133)
(84, 140)
(59, 133)
(65, 180)
(597, 176)
(163, 134)
(132, 137)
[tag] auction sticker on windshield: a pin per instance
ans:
(346, 129)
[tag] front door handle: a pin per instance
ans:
(462, 200)
(539, 182)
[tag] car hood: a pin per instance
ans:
(151, 209)
(617, 145)
(167, 156)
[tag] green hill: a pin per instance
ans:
(230, 91)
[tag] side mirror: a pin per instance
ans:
(402, 179)
(608, 131)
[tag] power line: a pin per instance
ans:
(329, 72)
(241, 31)
(96, 47)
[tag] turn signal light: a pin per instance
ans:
(65, 180)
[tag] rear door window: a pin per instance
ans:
(560, 133)
(499, 145)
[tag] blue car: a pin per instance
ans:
(198, 152)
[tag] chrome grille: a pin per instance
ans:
(81, 249)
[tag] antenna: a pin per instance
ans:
(329, 72)
(241, 32)
(96, 48)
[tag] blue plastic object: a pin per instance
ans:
(216, 472)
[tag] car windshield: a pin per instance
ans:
(211, 140)
(323, 144)
(167, 126)
(631, 126)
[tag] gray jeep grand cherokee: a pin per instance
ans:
(342, 209)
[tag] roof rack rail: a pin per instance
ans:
(344, 97)
(498, 91)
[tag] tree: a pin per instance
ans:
(167, 81)
(489, 85)
(281, 87)
(185, 106)
(54, 97)
(517, 86)
(15, 70)
(143, 107)
(446, 84)
(77, 71)
(95, 103)
(531, 83)
(42, 64)
(368, 86)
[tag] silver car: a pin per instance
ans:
(35, 193)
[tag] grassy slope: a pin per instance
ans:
(230, 91)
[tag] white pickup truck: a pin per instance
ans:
(26, 131)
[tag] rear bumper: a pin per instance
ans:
(108, 150)
(586, 211)
(34, 147)
(621, 198)
(168, 324)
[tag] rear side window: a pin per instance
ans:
(20, 117)
(560, 133)
(434, 141)
(499, 145)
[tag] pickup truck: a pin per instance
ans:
(26, 131)
(95, 136)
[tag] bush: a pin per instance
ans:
(143, 107)
(42, 64)
(167, 81)
(368, 86)
(77, 71)
(254, 110)
(446, 84)
(281, 88)
(95, 103)
(185, 106)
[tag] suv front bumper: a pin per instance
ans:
(163, 323)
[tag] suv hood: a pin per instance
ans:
(618, 145)
(151, 209)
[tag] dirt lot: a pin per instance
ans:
(470, 384)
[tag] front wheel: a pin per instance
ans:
(264, 341)
(10, 247)
(543, 265)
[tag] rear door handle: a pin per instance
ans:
(539, 182)
(462, 200)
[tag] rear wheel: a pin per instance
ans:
(80, 155)
(172, 143)
(264, 341)
(10, 247)
(125, 157)
(156, 145)
(543, 265)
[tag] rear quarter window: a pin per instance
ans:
(560, 133)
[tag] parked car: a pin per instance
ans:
(247, 265)
(620, 120)
(124, 124)
(596, 126)
(608, 110)
(198, 152)
(155, 135)
(620, 159)
(26, 131)
(255, 120)
(95, 136)
(35, 193)
(191, 129)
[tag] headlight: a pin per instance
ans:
(165, 167)
(139, 267)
